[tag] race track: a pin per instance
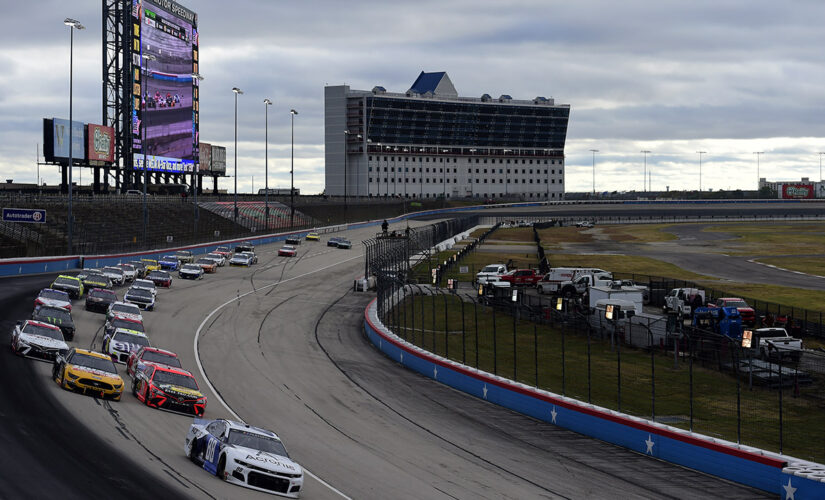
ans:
(282, 345)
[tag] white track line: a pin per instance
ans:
(212, 388)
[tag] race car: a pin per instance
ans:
(253, 257)
(56, 316)
(287, 251)
(95, 279)
(218, 258)
(69, 284)
(160, 278)
(191, 272)
(140, 267)
(38, 340)
(244, 455)
(184, 256)
(116, 322)
(130, 272)
(150, 265)
(124, 310)
(149, 354)
(313, 237)
(99, 299)
(225, 251)
(293, 240)
(168, 388)
(169, 263)
(54, 298)
(244, 247)
(208, 265)
(115, 274)
(333, 242)
(344, 243)
(240, 259)
(88, 372)
(122, 343)
(142, 298)
(148, 285)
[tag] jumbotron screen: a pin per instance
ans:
(165, 93)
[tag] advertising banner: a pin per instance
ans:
(797, 191)
(61, 139)
(218, 160)
(205, 157)
(100, 144)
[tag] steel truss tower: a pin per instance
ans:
(117, 83)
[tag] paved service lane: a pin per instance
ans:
(282, 344)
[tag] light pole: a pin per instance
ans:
(237, 91)
(820, 166)
(145, 145)
(267, 104)
(594, 151)
(700, 168)
(292, 112)
(346, 138)
(196, 170)
(73, 25)
(644, 176)
(758, 154)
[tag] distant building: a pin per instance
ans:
(801, 189)
(428, 142)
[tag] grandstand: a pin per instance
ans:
(252, 214)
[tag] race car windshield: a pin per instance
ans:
(139, 293)
(183, 254)
(66, 281)
(54, 294)
(131, 338)
(124, 308)
(145, 283)
(60, 315)
(114, 270)
(159, 274)
(169, 257)
(254, 441)
(222, 249)
(103, 294)
(192, 267)
(129, 325)
(43, 331)
(162, 358)
(205, 261)
(239, 249)
(215, 256)
(105, 365)
(178, 379)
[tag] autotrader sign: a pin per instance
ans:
(24, 215)
(100, 144)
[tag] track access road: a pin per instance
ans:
(282, 345)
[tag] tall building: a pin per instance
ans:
(428, 142)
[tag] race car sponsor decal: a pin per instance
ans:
(269, 459)
(176, 389)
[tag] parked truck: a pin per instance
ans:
(490, 273)
(630, 296)
(772, 344)
(554, 281)
(522, 277)
(684, 300)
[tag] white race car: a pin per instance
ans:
(241, 454)
(38, 340)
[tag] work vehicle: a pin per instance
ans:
(88, 372)
(615, 290)
(584, 224)
(39, 340)
(191, 272)
(99, 299)
(683, 300)
(746, 312)
(557, 277)
(69, 284)
(772, 344)
(149, 354)
(490, 272)
(54, 298)
(521, 277)
(168, 388)
(120, 344)
(56, 316)
(244, 455)
(722, 320)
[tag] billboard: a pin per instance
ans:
(218, 160)
(165, 94)
(205, 157)
(797, 191)
(100, 144)
(56, 140)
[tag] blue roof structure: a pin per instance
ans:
(427, 82)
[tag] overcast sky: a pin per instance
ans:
(729, 78)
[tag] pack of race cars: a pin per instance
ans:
(233, 451)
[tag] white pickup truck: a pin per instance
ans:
(684, 300)
(490, 273)
(773, 343)
(578, 285)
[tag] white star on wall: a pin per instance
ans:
(553, 414)
(649, 442)
(402, 357)
(380, 344)
(435, 372)
(789, 490)
(484, 390)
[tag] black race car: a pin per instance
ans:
(56, 316)
(99, 299)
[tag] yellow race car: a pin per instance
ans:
(69, 284)
(151, 265)
(88, 372)
(313, 237)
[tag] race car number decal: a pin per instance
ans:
(210, 449)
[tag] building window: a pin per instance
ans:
(385, 158)
(553, 181)
(485, 160)
(370, 169)
(485, 181)
(485, 170)
(476, 160)
(392, 158)
(508, 161)
(455, 181)
(522, 161)
(469, 160)
(428, 160)
(531, 162)
(385, 169)
(500, 161)
(370, 179)
(441, 160)
(370, 157)
(531, 171)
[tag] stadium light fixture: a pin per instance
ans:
(267, 104)
(73, 25)
(292, 113)
(644, 174)
(237, 91)
(594, 151)
(700, 168)
(758, 154)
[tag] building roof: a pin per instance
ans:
(437, 83)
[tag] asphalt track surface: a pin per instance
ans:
(282, 344)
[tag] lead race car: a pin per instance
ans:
(241, 454)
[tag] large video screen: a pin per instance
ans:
(165, 96)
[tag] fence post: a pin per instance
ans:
(475, 314)
(736, 357)
(779, 368)
(495, 334)
(432, 294)
(412, 318)
(515, 363)
(563, 372)
(536, 352)
(618, 364)
(589, 374)
(690, 397)
(463, 336)
(446, 329)
(652, 373)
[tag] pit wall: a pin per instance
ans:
(779, 474)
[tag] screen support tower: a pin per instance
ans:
(117, 91)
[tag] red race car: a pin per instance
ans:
(167, 388)
(160, 278)
(287, 251)
(148, 354)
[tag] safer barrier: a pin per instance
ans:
(770, 472)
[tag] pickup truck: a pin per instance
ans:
(522, 277)
(577, 286)
(772, 343)
(746, 312)
(684, 300)
(490, 273)
(553, 280)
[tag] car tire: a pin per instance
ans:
(219, 471)
(193, 453)
(134, 388)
